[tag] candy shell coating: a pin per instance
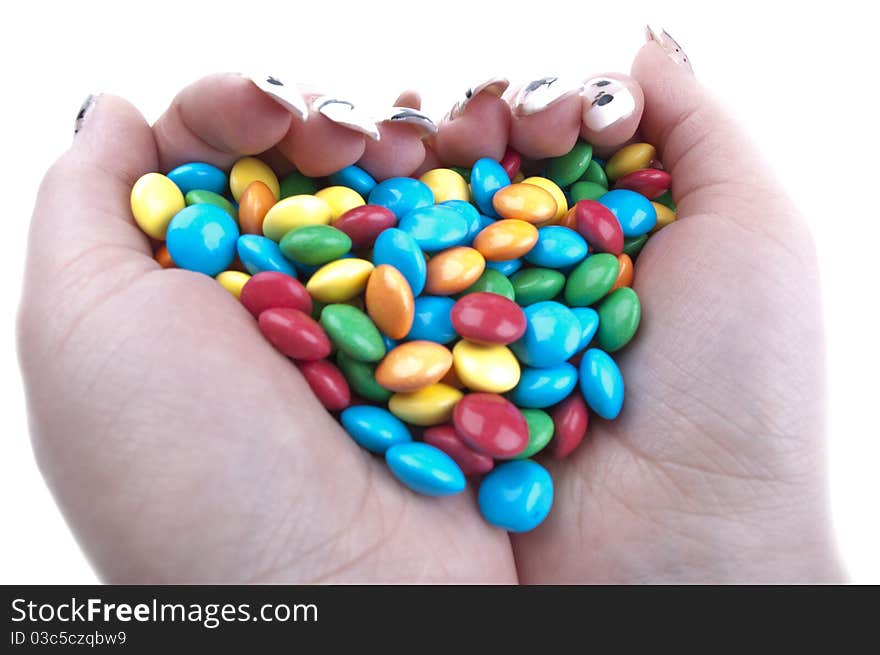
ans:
(294, 333)
(619, 316)
(425, 469)
(553, 189)
(429, 405)
(432, 319)
(485, 367)
(340, 280)
(595, 174)
(632, 157)
(624, 272)
(269, 289)
(352, 332)
(200, 196)
(516, 496)
(586, 191)
(198, 175)
(491, 281)
(315, 245)
(259, 254)
(568, 168)
(665, 215)
(327, 383)
(491, 424)
(361, 377)
(635, 213)
(255, 202)
(435, 228)
(543, 387)
(525, 202)
(557, 247)
(453, 270)
(202, 238)
(589, 320)
(601, 383)
(650, 182)
(364, 224)
(488, 318)
(340, 199)
(487, 177)
(389, 301)
(599, 226)
(506, 240)
(446, 184)
(446, 439)
(297, 184)
(401, 195)
(248, 169)
(591, 280)
(295, 212)
(570, 421)
(540, 431)
(552, 335)
(413, 365)
(374, 428)
(506, 267)
(233, 281)
(354, 177)
(398, 249)
(155, 200)
(474, 219)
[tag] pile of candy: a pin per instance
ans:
(459, 323)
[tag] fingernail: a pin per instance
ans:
(84, 108)
(417, 119)
(673, 50)
(539, 94)
(494, 85)
(286, 95)
(346, 114)
(606, 101)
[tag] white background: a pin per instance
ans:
(802, 76)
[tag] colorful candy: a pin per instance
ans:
(425, 469)
(491, 425)
(516, 496)
(202, 238)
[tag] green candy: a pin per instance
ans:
(202, 197)
(461, 170)
(633, 245)
(568, 168)
(315, 244)
(666, 199)
(362, 378)
(540, 431)
(586, 191)
(317, 308)
(352, 332)
(492, 281)
(532, 285)
(619, 316)
(596, 174)
(591, 280)
(297, 184)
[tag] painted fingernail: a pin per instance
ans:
(539, 94)
(606, 101)
(286, 95)
(670, 46)
(87, 104)
(417, 119)
(494, 85)
(346, 114)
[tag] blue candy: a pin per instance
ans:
(589, 320)
(202, 238)
(552, 335)
(390, 344)
(432, 320)
(634, 211)
(398, 249)
(557, 247)
(425, 469)
(601, 383)
(435, 228)
(262, 254)
(542, 387)
(516, 496)
(198, 175)
(401, 195)
(471, 215)
(507, 267)
(374, 428)
(487, 177)
(354, 177)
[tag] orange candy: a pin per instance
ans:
(526, 202)
(164, 257)
(506, 239)
(255, 202)
(413, 365)
(624, 272)
(454, 270)
(390, 301)
(569, 220)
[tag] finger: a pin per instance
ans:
(545, 117)
(400, 149)
(217, 120)
(711, 160)
(612, 106)
(477, 126)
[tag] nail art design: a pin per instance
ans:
(417, 119)
(495, 85)
(346, 114)
(284, 94)
(671, 46)
(83, 110)
(609, 101)
(539, 94)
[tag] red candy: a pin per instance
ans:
(294, 333)
(488, 318)
(511, 162)
(491, 425)
(650, 182)
(270, 289)
(570, 420)
(327, 383)
(599, 226)
(446, 439)
(364, 223)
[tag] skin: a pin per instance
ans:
(182, 448)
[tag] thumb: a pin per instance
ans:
(712, 162)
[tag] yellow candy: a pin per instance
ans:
(525, 202)
(155, 200)
(340, 199)
(633, 157)
(233, 281)
(664, 215)
(340, 281)
(248, 169)
(519, 177)
(429, 405)
(554, 190)
(446, 185)
(491, 368)
(295, 212)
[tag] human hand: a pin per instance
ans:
(182, 448)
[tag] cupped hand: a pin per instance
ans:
(182, 448)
